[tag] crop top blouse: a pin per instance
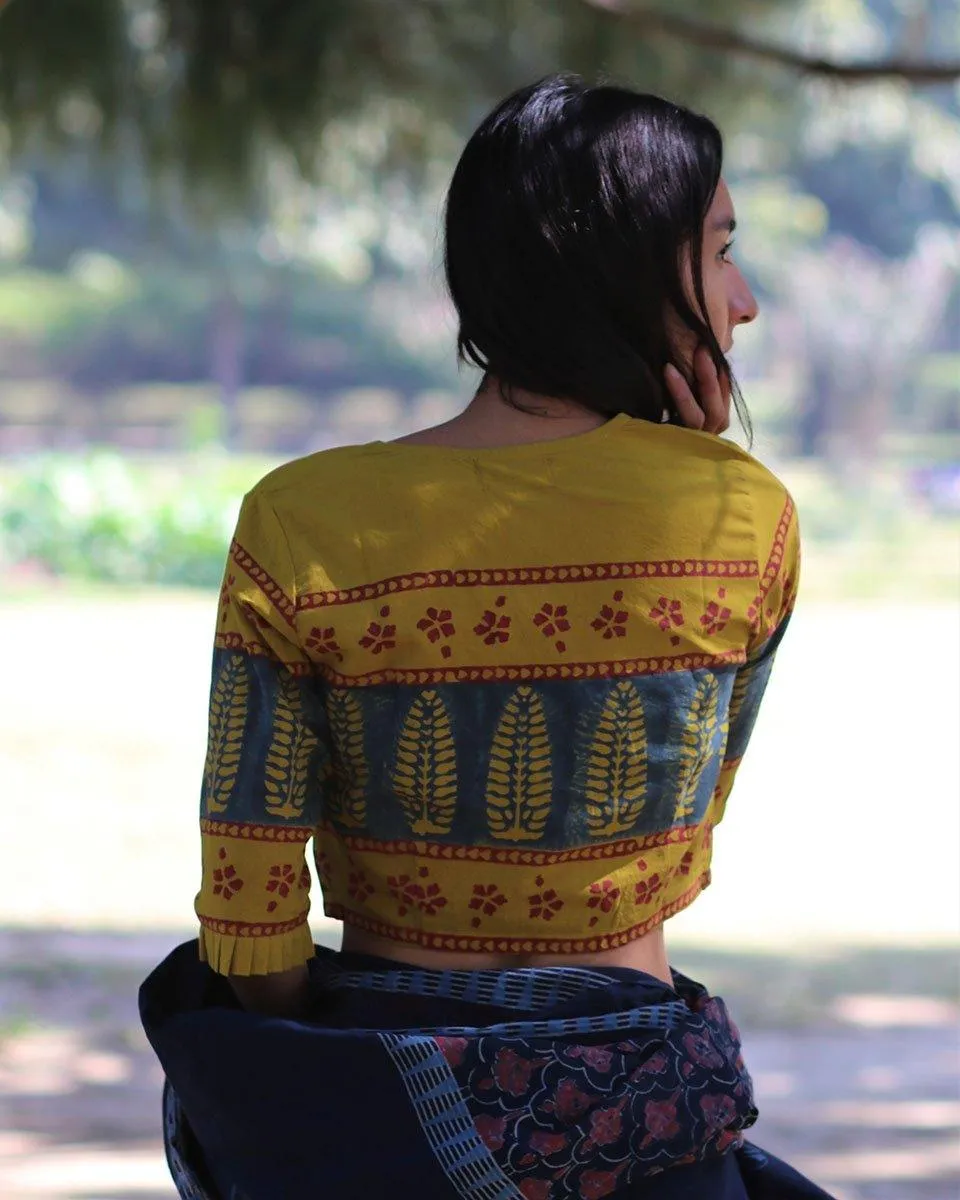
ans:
(504, 691)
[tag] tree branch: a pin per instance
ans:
(730, 41)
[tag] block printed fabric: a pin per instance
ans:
(504, 692)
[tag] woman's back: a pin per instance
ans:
(507, 688)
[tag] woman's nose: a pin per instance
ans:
(744, 307)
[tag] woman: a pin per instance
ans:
(502, 672)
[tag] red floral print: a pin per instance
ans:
(660, 1119)
(535, 1189)
(358, 888)
(544, 1142)
(551, 620)
(715, 617)
(611, 622)
(686, 863)
(491, 1130)
(654, 1065)
(568, 1103)
(606, 1124)
(425, 896)
(646, 889)
(304, 881)
(486, 898)
(226, 881)
(513, 1072)
(702, 1050)
(452, 1048)
(281, 879)
(324, 868)
(668, 613)
(225, 596)
(379, 637)
(719, 1111)
(544, 904)
(594, 1184)
(437, 624)
(492, 628)
(324, 641)
(603, 895)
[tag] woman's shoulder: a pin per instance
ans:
(322, 474)
(701, 460)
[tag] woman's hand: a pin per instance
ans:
(281, 994)
(709, 408)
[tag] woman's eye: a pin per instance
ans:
(723, 255)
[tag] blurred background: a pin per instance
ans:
(219, 251)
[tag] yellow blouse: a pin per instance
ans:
(504, 691)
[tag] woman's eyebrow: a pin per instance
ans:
(727, 223)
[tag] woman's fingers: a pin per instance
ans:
(709, 409)
(689, 411)
(710, 392)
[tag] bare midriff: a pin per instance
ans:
(647, 953)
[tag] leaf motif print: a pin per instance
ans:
(228, 717)
(697, 743)
(617, 764)
(348, 793)
(425, 769)
(287, 765)
(741, 684)
(520, 779)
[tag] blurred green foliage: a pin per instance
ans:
(104, 518)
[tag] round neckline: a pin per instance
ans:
(511, 449)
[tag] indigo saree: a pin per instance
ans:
(526, 1084)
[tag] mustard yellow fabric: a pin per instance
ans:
(505, 692)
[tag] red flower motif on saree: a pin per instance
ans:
(594, 1184)
(358, 888)
(225, 596)
(324, 641)
(409, 894)
(492, 628)
(486, 898)
(719, 1111)
(603, 895)
(226, 881)
(535, 1189)
(551, 620)
(715, 617)
(544, 904)
(611, 622)
(668, 613)
(513, 1072)
(686, 863)
(438, 623)
(660, 1119)
(646, 889)
(568, 1103)
(379, 637)
(281, 879)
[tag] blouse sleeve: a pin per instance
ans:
(260, 798)
(779, 543)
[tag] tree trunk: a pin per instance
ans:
(226, 365)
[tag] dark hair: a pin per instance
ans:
(565, 222)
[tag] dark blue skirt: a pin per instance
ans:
(529, 1084)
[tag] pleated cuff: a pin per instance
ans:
(229, 954)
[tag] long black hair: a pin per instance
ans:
(566, 220)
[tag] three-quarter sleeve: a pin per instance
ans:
(779, 565)
(260, 798)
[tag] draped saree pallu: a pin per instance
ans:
(535, 1084)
